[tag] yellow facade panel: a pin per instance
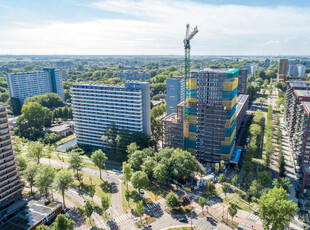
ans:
(192, 119)
(192, 136)
(194, 100)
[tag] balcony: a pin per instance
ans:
(5, 182)
(12, 191)
(4, 174)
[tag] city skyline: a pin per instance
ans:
(126, 27)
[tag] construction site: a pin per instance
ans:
(206, 123)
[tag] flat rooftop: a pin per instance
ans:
(302, 93)
(299, 85)
(306, 105)
(171, 118)
(241, 99)
(33, 213)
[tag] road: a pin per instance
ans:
(116, 210)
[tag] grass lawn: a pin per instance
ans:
(231, 223)
(145, 221)
(134, 198)
(219, 190)
(103, 187)
(242, 204)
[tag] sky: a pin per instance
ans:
(154, 27)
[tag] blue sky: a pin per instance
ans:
(235, 27)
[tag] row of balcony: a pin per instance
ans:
(11, 191)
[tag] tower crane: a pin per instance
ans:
(190, 33)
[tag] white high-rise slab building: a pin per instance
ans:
(27, 84)
(95, 106)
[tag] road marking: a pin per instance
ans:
(121, 218)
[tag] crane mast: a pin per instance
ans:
(190, 87)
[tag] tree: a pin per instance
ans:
(252, 91)
(105, 204)
(232, 210)
(202, 202)
(282, 182)
(49, 100)
(210, 187)
(172, 200)
(30, 173)
(264, 178)
(255, 130)
(88, 209)
(256, 189)
(92, 191)
(148, 165)
(63, 223)
(234, 180)
(75, 163)
(127, 172)
(139, 180)
(44, 178)
(139, 211)
(225, 188)
(131, 148)
(49, 149)
(34, 113)
(63, 180)
(275, 209)
(99, 158)
(222, 178)
(35, 150)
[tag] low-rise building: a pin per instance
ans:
(241, 108)
(62, 130)
(173, 128)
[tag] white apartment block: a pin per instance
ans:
(95, 106)
(27, 84)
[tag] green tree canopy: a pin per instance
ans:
(29, 173)
(49, 100)
(139, 180)
(172, 200)
(44, 178)
(275, 209)
(63, 223)
(63, 180)
(99, 158)
(35, 150)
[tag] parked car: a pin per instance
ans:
(183, 220)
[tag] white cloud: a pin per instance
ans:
(158, 27)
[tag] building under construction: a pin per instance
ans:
(209, 120)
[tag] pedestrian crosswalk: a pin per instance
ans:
(101, 225)
(121, 218)
(253, 216)
(150, 206)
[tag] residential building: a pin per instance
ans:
(210, 114)
(242, 81)
(34, 214)
(254, 66)
(133, 76)
(95, 106)
(175, 93)
(301, 69)
(10, 184)
(282, 71)
(241, 108)
(27, 84)
(267, 62)
(173, 128)
(292, 70)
